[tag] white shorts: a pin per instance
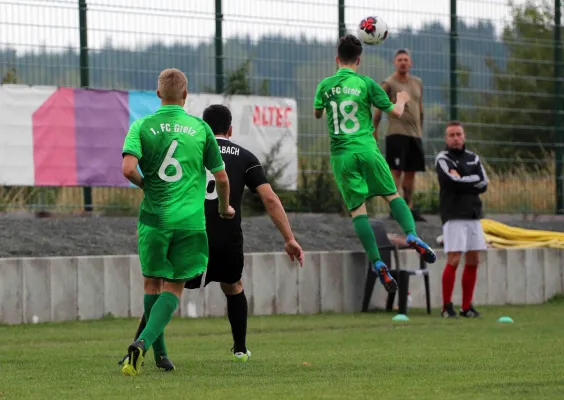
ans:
(462, 235)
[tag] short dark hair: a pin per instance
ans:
(453, 123)
(402, 51)
(349, 49)
(218, 117)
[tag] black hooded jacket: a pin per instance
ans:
(460, 196)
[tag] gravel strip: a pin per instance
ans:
(22, 235)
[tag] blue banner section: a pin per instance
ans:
(142, 103)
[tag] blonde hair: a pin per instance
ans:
(172, 84)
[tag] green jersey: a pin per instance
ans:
(174, 150)
(348, 97)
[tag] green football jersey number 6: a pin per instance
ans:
(169, 160)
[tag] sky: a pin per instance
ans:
(53, 24)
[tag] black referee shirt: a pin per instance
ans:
(243, 169)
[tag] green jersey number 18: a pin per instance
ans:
(340, 113)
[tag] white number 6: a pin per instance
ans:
(170, 161)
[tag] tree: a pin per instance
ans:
(10, 76)
(518, 111)
(237, 82)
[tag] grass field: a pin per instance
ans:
(359, 356)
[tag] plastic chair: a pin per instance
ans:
(400, 274)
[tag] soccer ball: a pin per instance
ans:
(372, 30)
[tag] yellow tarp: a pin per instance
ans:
(504, 236)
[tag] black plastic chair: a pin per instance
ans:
(401, 275)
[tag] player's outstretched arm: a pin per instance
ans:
(222, 188)
(381, 100)
(275, 209)
(129, 169)
(399, 107)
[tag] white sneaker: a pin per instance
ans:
(242, 357)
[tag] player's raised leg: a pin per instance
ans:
(352, 184)
(366, 235)
(380, 182)
(403, 215)
(237, 313)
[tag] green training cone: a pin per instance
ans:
(400, 317)
(505, 320)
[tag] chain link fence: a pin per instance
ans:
(508, 91)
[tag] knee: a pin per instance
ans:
(453, 259)
(152, 285)
(230, 289)
(394, 196)
(175, 288)
(472, 258)
(408, 178)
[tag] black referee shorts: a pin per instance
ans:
(405, 153)
(225, 264)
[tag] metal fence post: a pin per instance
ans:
(218, 47)
(453, 83)
(342, 26)
(558, 106)
(84, 77)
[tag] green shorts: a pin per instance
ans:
(361, 176)
(172, 254)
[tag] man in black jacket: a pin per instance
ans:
(462, 179)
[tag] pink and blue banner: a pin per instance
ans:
(73, 137)
(78, 135)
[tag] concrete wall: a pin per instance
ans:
(70, 288)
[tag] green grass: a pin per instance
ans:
(358, 356)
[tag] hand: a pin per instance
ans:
(454, 172)
(294, 251)
(229, 214)
(403, 96)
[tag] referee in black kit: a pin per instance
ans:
(225, 236)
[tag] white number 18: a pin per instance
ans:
(346, 116)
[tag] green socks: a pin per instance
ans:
(402, 214)
(159, 317)
(159, 347)
(366, 235)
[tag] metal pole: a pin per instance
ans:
(558, 105)
(342, 26)
(452, 67)
(218, 47)
(84, 77)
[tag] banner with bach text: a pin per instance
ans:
(53, 136)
